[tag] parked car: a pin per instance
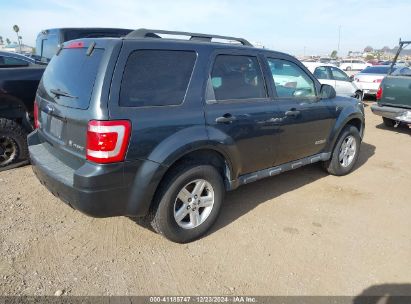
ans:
(333, 76)
(19, 78)
(10, 59)
(394, 94)
(161, 128)
(47, 41)
(353, 65)
(369, 79)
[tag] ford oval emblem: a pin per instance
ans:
(49, 109)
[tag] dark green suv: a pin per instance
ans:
(161, 128)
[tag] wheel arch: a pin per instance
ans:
(206, 155)
(14, 109)
(354, 120)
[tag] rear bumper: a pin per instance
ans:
(370, 91)
(99, 190)
(394, 113)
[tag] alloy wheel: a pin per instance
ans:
(194, 204)
(347, 151)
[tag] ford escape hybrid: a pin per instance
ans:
(160, 128)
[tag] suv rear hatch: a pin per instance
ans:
(64, 96)
(396, 91)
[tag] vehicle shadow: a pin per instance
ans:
(385, 294)
(244, 199)
(247, 197)
(402, 128)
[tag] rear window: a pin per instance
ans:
(156, 78)
(76, 34)
(74, 73)
(376, 70)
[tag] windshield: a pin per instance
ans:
(69, 77)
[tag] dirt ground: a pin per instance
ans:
(299, 233)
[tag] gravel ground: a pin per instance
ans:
(299, 233)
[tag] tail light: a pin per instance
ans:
(379, 93)
(377, 80)
(36, 115)
(107, 141)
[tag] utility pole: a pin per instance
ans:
(339, 38)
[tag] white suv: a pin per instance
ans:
(353, 64)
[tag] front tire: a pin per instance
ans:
(345, 153)
(187, 203)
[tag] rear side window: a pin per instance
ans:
(156, 78)
(376, 70)
(10, 61)
(321, 73)
(237, 77)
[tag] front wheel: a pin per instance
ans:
(187, 203)
(345, 153)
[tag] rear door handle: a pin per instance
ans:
(226, 119)
(292, 113)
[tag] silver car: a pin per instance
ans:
(369, 79)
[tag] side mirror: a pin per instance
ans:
(327, 92)
(352, 78)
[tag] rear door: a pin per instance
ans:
(305, 120)
(239, 108)
(397, 91)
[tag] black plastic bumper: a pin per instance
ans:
(98, 190)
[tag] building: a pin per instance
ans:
(14, 47)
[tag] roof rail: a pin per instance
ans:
(145, 33)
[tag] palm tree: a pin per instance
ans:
(1, 40)
(8, 41)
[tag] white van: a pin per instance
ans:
(353, 65)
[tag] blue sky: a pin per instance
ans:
(288, 26)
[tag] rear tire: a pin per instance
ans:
(13, 143)
(187, 202)
(390, 123)
(345, 153)
(359, 95)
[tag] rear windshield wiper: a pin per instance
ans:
(58, 93)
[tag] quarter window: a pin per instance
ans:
(290, 80)
(237, 77)
(156, 78)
